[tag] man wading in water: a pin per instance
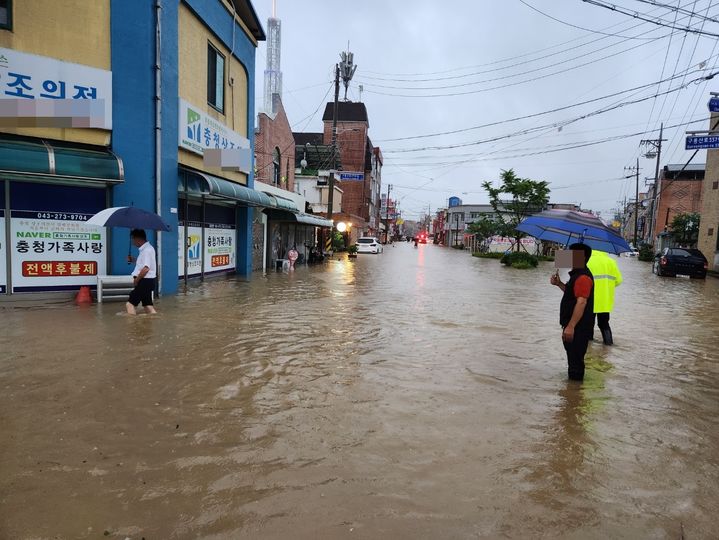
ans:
(576, 312)
(144, 274)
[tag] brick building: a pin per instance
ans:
(275, 148)
(677, 194)
(360, 176)
(709, 225)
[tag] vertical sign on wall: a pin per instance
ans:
(3, 251)
(192, 249)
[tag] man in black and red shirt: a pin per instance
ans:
(576, 312)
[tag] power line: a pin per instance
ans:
(533, 115)
(678, 9)
(644, 17)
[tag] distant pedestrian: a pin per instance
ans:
(606, 278)
(575, 312)
(144, 274)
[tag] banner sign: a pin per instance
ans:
(192, 248)
(695, 142)
(351, 176)
(219, 248)
(199, 131)
(55, 251)
(29, 76)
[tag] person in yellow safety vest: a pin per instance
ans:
(606, 278)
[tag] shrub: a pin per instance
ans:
(352, 249)
(488, 255)
(646, 253)
(522, 258)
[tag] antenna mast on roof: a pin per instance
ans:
(347, 68)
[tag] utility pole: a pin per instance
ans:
(656, 145)
(386, 215)
(635, 170)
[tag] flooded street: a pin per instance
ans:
(420, 393)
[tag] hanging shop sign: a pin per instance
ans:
(3, 254)
(219, 248)
(55, 250)
(26, 76)
(199, 131)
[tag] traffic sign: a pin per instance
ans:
(713, 104)
(695, 142)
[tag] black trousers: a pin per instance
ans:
(142, 292)
(601, 320)
(576, 349)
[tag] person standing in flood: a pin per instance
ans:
(144, 274)
(576, 311)
(606, 276)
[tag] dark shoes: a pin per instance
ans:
(607, 336)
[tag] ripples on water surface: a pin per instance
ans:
(416, 394)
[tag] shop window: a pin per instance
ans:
(215, 78)
(6, 14)
(276, 166)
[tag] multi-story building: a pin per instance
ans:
(171, 79)
(709, 224)
(361, 173)
(678, 192)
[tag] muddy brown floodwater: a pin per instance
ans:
(416, 394)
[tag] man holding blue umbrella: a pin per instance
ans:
(143, 275)
(576, 313)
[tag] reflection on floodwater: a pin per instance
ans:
(419, 393)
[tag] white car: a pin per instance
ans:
(368, 244)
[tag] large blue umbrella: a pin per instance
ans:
(130, 217)
(568, 226)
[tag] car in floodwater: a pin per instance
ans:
(368, 244)
(680, 262)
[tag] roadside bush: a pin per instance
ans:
(646, 253)
(545, 258)
(488, 255)
(524, 260)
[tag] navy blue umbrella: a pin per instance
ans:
(568, 226)
(130, 217)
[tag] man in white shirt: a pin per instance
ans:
(143, 275)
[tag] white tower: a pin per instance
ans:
(273, 73)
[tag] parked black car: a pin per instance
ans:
(680, 262)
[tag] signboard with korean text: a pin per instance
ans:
(346, 176)
(713, 104)
(192, 248)
(199, 131)
(3, 253)
(55, 250)
(219, 248)
(696, 142)
(33, 77)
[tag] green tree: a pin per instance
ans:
(685, 228)
(515, 199)
(485, 228)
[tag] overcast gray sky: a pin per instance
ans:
(505, 60)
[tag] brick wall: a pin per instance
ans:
(275, 133)
(677, 197)
(709, 225)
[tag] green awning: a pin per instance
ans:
(211, 186)
(31, 158)
(298, 217)
(283, 204)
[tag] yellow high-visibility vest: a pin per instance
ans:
(606, 278)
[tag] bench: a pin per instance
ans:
(114, 288)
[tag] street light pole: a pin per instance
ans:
(330, 195)
(636, 208)
(386, 215)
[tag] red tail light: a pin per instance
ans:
(663, 261)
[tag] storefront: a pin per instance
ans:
(287, 230)
(208, 223)
(48, 191)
